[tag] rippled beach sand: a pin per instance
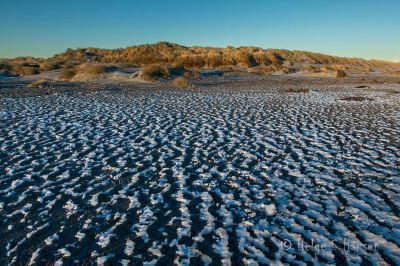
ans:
(240, 171)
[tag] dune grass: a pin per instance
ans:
(23, 70)
(155, 71)
(37, 83)
(94, 69)
(180, 82)
(67, 74)
(340, 73)
(263, 70)
(49, 65)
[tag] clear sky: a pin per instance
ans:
(354, 28)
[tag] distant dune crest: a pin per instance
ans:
(250, 59)
(210, 57)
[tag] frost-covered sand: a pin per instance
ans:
(229, 171)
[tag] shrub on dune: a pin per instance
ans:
(67, 74)
(37, 83)
(244, 59)
(275, 59)
(287, 70)
(326, 68)
(193, 74)
(48, 66)
(341, 74)
(25, 70)
(6, 70)
(154, 71)
(309, 69)
(213, 59)
(87, 72)
(70, 64)
(94, 69)
(5, 67)
(180, 82)
(190, 61)
(263, 70)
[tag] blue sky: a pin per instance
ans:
(354, 28)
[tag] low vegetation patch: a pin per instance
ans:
(263, 70)
(37, 84)
(50, 65)
(310, 69)
(340, 73)
(67, 74)
(192, 74)
(22, 70)
(180, 82)
(94, 69)
(155, 71)
(6, 73)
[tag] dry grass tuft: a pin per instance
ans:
(67, 74)
(340, 74)
(37, 84)
(180, 82)
(50, 65)
(94, 69)
(263, 70)
(154, 72)
(25, 70)
(245, 59)
(192, 74)
(310, 69)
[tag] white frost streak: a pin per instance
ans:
(221, 247)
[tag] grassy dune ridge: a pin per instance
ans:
(250, 59)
